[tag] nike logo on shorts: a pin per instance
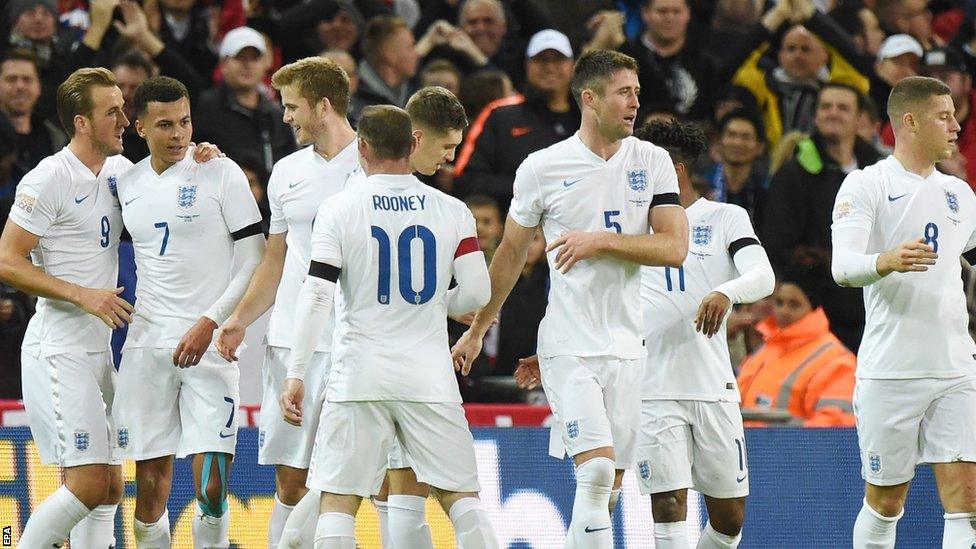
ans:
(740, 479)
(222, 435)
(589, 530)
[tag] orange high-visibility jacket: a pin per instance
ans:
(803, 369)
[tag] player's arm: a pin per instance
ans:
(755, 281)
(506, 266)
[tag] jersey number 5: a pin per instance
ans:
(405, 264)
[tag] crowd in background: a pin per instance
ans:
(792, 96)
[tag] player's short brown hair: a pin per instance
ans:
(595, 68)
(911, 93)
(380, 29)
(75, 97)
(387, 130)
(316, 78)
(436, 108)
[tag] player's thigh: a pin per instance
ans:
(889, 416)
(665, 449)
(621, 380)
(437, 439)
(948, 431)
(146, 409)
(66, 408)
(209, 402)
(279, 442)
(720, 467)
(576, 397)
(351, 448)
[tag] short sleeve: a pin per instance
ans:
(37, 201)
(526, 207)
(237, 202)
(326, 238)
(856, 204)
(278, 223)
(738, 230)
(665, 179)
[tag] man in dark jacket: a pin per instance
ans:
(510, 129)
(235, 115)
(801, 200)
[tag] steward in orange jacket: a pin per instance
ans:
(802, 368)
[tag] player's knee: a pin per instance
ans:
(212, 491)
(729, 521)
(669, 506)
(597, 472)
(116, 489)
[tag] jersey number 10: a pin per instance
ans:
(405, 264)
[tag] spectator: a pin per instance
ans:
(738, 178)
(131, 70)
(483, 87)
(257, 180)
(185, 26)
(510, 129)
(869, 127)
(518, 322)
(801, 201)
(897, 59)
(969, 289)
(16, 309)
(488, 222)
(862, 25)
(911, 17)
(390, 63)
(36, 138)
(235, 115)
(447, 42)
(348, 64)
(802, 368)
(730, 24)
(443, 73)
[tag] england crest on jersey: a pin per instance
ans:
(637, 180)
(953, 201)
(644, 470)
(113, 185)
(701, 235)
(186, 196)
(82, 440)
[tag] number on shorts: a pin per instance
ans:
(741, 448)
(230, 420)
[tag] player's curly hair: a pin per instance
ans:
(684, 142)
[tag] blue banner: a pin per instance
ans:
(806, 492)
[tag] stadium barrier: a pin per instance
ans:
(806, 492)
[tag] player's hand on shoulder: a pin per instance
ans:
(711, 312)
(467, 348)
(229, 339)
(575, 246)
(913, 256)
(292, 395)
(194, 343)
(107, 304)
(205, 152)
(527, 373)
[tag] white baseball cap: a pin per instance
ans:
(549, 39)
(240, 38)
(899, 44)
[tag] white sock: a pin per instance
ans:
(50, 523)
(960, 531)
(472, 527)
(671, 535)
(279, 514)
(383, 515)
(590, 526)
(210, 532)
(96, 530)
(874, 531)
(408, 522)
(713, 539)
(335, 531)
(153, 535)
(299, 529)
(614, 499)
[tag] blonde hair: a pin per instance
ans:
(75, 97)
(316, 78)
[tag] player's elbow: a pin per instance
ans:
(840, 276)
(482, 295)
(678, 251)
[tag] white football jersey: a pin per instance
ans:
(181, 222)
(77, 218)
(916, 323)
(395, 240)
(683, 364)
(298, 185)
(593, 309)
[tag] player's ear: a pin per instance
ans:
(81, 124)
(323, 107)
(908, 121)
(588, 97)
(418, 134)
(140, 129)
